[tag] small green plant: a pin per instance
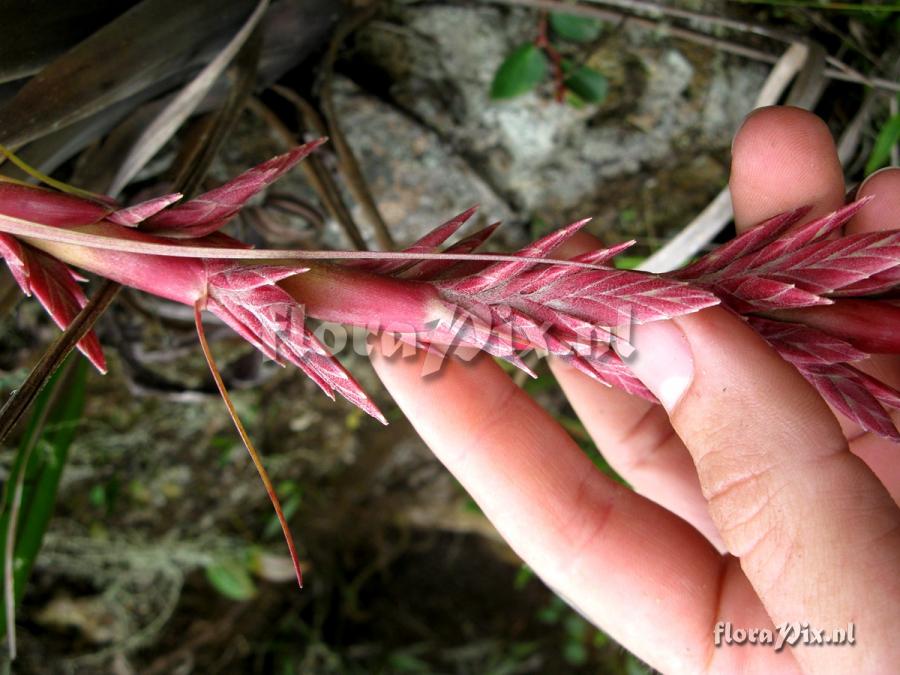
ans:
(230, 576)
(292, 496)
(530, 63)
(520, 72)
(29, 495)
(575, 28)
(581, 639)
(580, 636)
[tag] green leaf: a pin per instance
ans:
(628, 216)
(543, 382)
(575, 28)
(97, 496)
(553, 612)
(291, 503)
(588, 84)
(523, 576)
(42, 455)
(574, 100)
(575, 653)
(628, 262)
(407, 662)
(576, 627)
(519, 73)
(887, 137)
(539, 227)
(231, 578)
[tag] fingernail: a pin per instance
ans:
(662, 360)
(881, 171)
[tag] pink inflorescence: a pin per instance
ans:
(800, 286)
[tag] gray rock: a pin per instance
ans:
(669, 103)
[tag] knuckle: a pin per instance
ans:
(752, 506)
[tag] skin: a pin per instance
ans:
(752, 502)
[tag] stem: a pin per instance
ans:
(254, 455)
(125, 240)
(356, 182)
(316, 172)
(19, 402)
(543, 42)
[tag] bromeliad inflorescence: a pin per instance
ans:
(824, 302)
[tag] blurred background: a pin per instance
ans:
(163, 554)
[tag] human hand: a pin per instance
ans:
(744, 457)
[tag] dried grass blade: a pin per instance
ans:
(243, 73)
(152, 41)
(178, 110)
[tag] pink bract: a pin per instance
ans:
(799, 286)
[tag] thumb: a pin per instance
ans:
(814, 528)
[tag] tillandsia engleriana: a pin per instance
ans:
(822, 300)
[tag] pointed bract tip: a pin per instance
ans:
(133, 216)
(554, 239)
(464, 216)
(604, 254)
(528, 371)
(572, 228)
(798, 212)
(847, 211)
(485, 233)
(291, 157)
(93, 354)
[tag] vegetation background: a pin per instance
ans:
(162, 554)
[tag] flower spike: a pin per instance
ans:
(803, 287)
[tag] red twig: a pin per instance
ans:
(542, 41)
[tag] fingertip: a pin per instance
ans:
(782, 158)
(578, 243)
(742, 395)
(883, 211)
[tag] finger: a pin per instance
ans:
(634, 435)
(641, 573)
(783, 158)
(882, 213)
(636, 439)
(814, 528)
